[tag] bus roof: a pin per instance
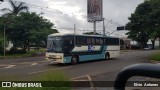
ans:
(67, 34)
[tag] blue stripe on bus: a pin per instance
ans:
(88, 57)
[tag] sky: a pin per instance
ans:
(65, 13)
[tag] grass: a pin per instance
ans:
(56, 76)
(52, 76)
(28, 54)
(155, 56)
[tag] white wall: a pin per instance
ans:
(10, 45)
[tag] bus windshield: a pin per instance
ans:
(54, 44)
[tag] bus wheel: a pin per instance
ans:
(107, 56)
(74, 60)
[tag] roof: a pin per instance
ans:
(66, 34)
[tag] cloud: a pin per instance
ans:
(66, 13)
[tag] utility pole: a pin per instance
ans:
(74, 34)
(104, 28)
(4, 47)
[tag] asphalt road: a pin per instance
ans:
(97, 70)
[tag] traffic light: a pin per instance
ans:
(121, 28)
(1, 0)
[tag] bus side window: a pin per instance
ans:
(71, 42)
(80, 40)
(83, 41)
(101, 41)
(106, 41)
(111, 40)
(93, 41)
(89, 41)
(97, 41)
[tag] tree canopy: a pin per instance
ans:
(29, 28)
(24, 28)
(17, 7)
(145, 22)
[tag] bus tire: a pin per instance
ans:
(107, 56)
(74, 60)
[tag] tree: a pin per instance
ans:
(145, 21)
(29, 28)
(155, 32)
(26, 29)
(10, 14)
(17, 7)
(2, 20)
(39, 37)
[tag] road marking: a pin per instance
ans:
(9, 66)
(91, 82)
(29, 62)
(78, 77)
(26, 65)
(92, 86)
(33, 64)
(50, 70)
(87, 76)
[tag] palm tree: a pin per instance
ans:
(9, 14)
(17, 7)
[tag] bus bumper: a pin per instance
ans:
(54, 58)
(54, 61)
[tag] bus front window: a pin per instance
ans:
(54, 44)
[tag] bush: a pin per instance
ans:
(22, 51)
(38, 54)
(14, 50)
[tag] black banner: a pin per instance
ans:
(39, 84)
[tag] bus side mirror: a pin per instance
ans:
(145, 70)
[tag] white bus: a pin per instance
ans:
(70, 48)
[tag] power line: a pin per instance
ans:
(66, 14)
(52, 10)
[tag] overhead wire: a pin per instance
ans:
(69, 14)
